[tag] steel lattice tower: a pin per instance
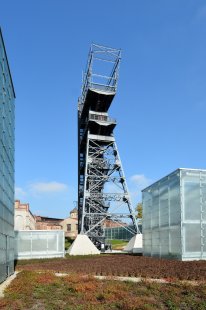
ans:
(102, 188)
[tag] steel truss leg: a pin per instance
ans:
(106, 194)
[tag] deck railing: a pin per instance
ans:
(102, 118)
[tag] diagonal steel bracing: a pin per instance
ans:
(102, 188)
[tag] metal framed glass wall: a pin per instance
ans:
(174, 216)
(193, 206)
(7, 97)
(120, 233)
(39, 244)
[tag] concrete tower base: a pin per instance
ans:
(134, 245)
(82, 245)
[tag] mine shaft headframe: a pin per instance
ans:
(102, 69)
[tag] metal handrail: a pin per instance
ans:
(111, 81)
(103, 118)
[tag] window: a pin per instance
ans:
(69, 226)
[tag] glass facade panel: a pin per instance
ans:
(193, 209)
(7, 98)
(39, 244)
(204, 239)
(174, 202)
(175, 242)
(176, 207)
(52, 242)
(203, 200)
(120, 233)
(161, 202)
(191, 200)
(192, 238)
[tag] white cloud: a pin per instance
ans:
(19, 192)
(47, 187)
(137, 183)
(44, 197)
(140, 181)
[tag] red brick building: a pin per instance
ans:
(48, 223)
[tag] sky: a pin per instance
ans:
(160, 104)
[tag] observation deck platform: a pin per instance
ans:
(101, 123)
(97, 99)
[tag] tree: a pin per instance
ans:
(139, 210)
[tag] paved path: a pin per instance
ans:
(4, 285)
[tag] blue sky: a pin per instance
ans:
(160, 105)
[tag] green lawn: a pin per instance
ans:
(67, 244)
(118, 244)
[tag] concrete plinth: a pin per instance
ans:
(82, 245)
(134, 245)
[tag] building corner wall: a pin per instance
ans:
(7, 109)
